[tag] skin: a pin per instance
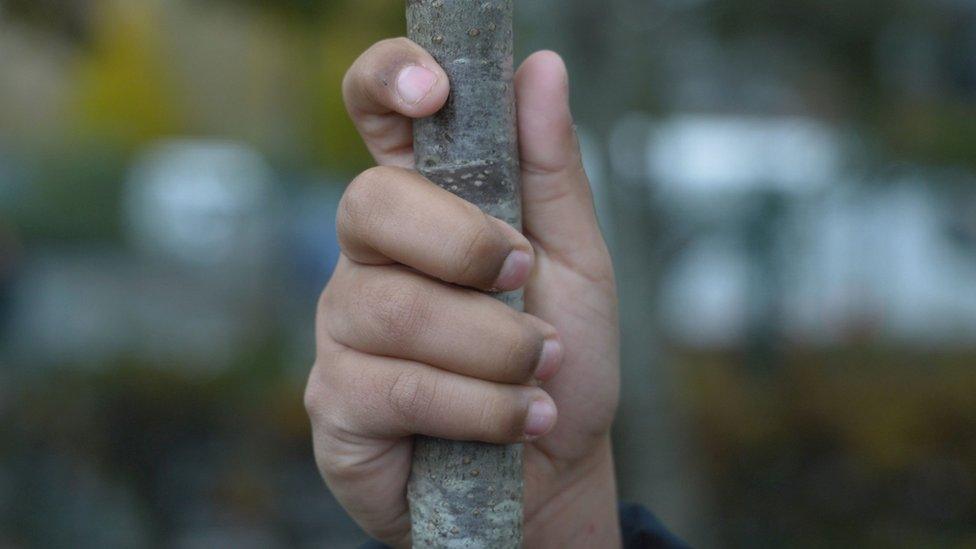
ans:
(407, 344)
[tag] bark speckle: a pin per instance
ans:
(468, 494)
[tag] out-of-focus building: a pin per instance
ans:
(863, 257)
(212, 239)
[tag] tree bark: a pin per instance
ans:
(469, 494)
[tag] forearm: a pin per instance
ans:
(583, 514)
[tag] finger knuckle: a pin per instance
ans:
(332, 319)
(348, 80)
(396, 310)
(394, 44)
(317, 395)
(330, 384)
(337, 461)
(354, 87)
(334, 466)
(480, 248)
(523, 354)
(363, 203)
(411, 395)
(335, 423)
(329, 302)
(501, 419)
(377, 67)
(313, 398)
(390, 55)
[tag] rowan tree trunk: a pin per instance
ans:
(469, 494)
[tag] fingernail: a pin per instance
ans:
(541, 419)
(549, 361)
(415, 83)
(515, 271)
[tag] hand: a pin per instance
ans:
(407, 345)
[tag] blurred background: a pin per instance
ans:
(788, 186)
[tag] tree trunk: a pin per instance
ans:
(469, 494)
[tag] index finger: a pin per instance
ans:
(392, 82)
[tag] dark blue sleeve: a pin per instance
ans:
(640, 529)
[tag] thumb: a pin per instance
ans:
(557, 204)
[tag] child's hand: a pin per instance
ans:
(407, 344)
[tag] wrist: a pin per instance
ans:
(583, 512)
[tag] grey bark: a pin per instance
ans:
(469, 494)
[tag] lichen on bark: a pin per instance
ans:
(469, 494)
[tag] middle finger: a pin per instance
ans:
(395, 312)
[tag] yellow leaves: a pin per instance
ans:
(122, 85)
(734, 409)
(886, 409)
(347, 31)
(155, 68)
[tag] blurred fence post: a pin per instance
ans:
(656, 463)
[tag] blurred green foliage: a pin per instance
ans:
(126, 90)
(850, 37)
(856, 446)
(74, 196)
(125, 87)
(863, 446)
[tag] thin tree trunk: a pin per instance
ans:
(469, 494)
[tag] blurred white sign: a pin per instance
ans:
(200, 202)
(695, 156)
